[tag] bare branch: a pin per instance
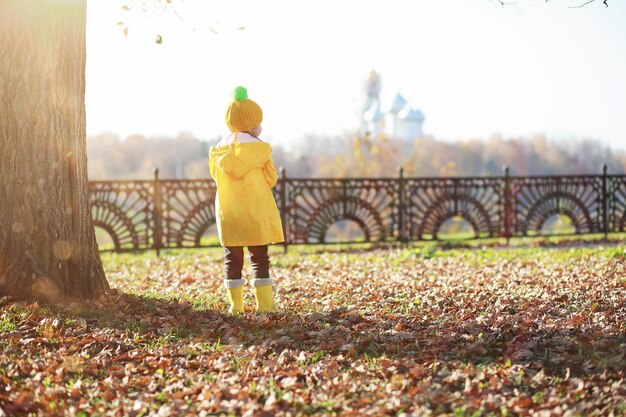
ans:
(605, 2)
(505, 3)
(178, 15)
(581, 5)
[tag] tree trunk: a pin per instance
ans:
(48, 249)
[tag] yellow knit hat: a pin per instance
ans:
(243, 114)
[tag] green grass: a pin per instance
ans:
(6, 325)
(430, 247)
(481, 251)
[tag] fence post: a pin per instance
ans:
(283, 206)
(507, 204)
(157, 211)
(401, 236)
(605, 200)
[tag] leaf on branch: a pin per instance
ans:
(126, 31)
(159, 39)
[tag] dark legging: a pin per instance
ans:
(233, 261)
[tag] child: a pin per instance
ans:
(243, 170)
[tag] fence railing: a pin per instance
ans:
(158, 213)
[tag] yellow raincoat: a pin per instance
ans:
(245, 209)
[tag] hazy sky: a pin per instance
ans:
(473, 67)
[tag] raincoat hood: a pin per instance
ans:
(239, 158)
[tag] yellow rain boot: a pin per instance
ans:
(234, 290)
(264, 295)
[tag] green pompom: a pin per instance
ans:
(240, 93)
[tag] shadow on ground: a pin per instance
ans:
(144, 322)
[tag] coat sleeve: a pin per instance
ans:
(271, 175)
(212, 169)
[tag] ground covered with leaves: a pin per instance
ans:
(411, 332)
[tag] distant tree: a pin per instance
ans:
(48, 248)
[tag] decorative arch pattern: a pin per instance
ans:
(188, 210)
(549, 206)
(124, 210)
(115, 222)
(315, 205)
(337, 209)
(197, 221)
(535, 199)
(450, 206)
(430, 202)
(617, 204)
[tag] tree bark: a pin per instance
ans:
(48, 249)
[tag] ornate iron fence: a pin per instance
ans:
(158, 214)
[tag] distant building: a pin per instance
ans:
(400, 120)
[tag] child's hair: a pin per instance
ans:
(243, 114)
